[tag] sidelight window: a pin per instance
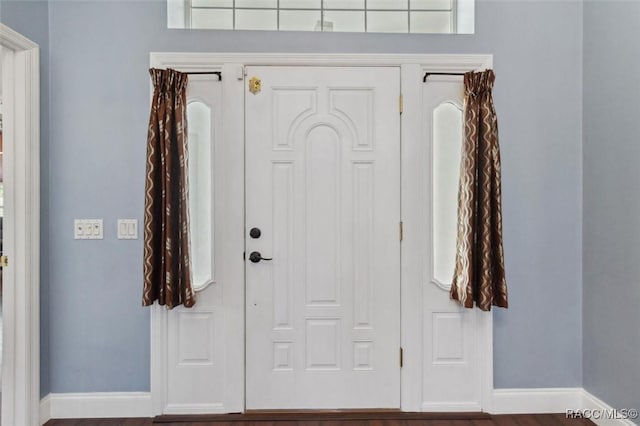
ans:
(200, 192)
(447, 144)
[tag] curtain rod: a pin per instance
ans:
(424, 79)
(218, 73)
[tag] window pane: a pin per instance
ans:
(424, 16)
(211, 3)
(200, 188)
(430, 22)
(388, 22)
(247, 19)
(257, 3)
(298, 20)
(344, 21)
(431, 4)
(447, 145)
(344, 4)
(387, 4)
(212, 18)
(300, 4)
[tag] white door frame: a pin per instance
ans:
(21, 297)
(412, 70)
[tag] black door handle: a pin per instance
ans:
(256, 257)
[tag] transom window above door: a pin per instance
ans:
(386, 16)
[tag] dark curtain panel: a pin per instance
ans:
(167, 264)
(479, 271)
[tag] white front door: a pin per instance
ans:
(323, 188)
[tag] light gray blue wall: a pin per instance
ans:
(31, 19)
(99, 109)
(99, 100)
(612, 202)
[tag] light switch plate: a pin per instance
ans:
(88, 229)
(127, 229)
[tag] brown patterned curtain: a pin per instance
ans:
(167, 264)
(479, 272)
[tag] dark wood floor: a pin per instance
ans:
(499, 420)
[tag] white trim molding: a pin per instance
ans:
(534, 401)
(95, 405)
(21, 293)
(556, 400)
(506, 401)
(214, 61)
(592, 405)
(45, 409)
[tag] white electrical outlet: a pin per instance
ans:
(88, 229)
(127, 229)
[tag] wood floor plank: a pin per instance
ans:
(551, 419)
(525, 420)
(446, 419)
(348, 415)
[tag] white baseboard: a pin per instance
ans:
(505, 401)
(45, 409)
(95, 405)
(534, 401)
(591, 402)
(555, 400)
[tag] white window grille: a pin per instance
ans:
(395, 16)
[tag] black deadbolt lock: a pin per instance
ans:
(255, 233)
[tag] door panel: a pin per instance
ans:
(451, 334)
(195, 357)
(323, 186)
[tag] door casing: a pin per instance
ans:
(21, 287)
(413, 68)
